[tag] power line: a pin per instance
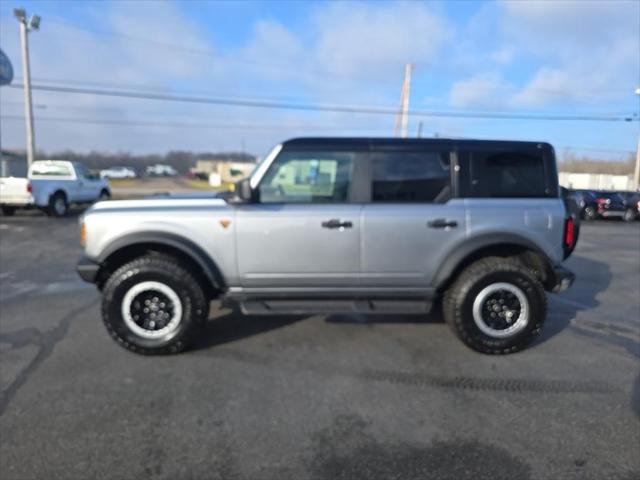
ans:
(294, 68)
(231, 126)
(291, 68)
(152, 89)
(249, 126)
(321, 107)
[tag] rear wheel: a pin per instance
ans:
(153, 305)
(8, 211)
(496, 306)
(58, 205)
(629, 215)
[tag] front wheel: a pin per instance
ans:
(496, 306)
(589, 213)
(153, 305)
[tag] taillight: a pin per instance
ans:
(29, 187)
(569, 232)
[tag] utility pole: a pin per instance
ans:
(25, 27)
(636, 172)
(420, 129)
(402, 119)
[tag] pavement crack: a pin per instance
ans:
(45, 341)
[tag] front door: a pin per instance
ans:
(88, 187)
(303, 231)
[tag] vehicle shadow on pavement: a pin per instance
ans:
(233, 325)
(434, 316)
(592, 278)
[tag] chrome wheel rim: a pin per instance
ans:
(501, 310)
(151, 310)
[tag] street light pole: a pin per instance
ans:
(636, 172)
(25, 27)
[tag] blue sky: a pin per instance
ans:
(555, 58)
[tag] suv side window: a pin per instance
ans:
(403, 177)
(508, 175)
(308, 177)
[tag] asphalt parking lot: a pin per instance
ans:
(340, 397)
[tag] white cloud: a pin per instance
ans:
(369, 39)
(584, 54)
(342, 51)
(483, 91)
(589, 51)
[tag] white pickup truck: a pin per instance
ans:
(52, 185)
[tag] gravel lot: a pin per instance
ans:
(340, 397)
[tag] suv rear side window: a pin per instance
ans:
(308, 177)
(508, 174)
(405, 177)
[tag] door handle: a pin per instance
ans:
(442, 223)
(335, 223)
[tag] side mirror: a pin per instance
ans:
(244, 191)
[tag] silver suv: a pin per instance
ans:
(344, 225)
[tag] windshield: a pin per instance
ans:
(263, 165)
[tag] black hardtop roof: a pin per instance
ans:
(366, 143)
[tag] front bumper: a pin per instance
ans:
(561, 279)
(87, 269)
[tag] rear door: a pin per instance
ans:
(411, 219)
(303, 231)
(512, 188)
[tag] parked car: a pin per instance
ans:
(52, 185)
(344, 225)
(632, 204)
(587, 203)
(160, 170)
(118, 172)
(611, 204)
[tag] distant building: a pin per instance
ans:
(13, 164)
(225, 171)
(207, 165)
(596, 181)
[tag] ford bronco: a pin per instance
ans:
(327, 225)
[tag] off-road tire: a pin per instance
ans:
(8, 211)
(459, 298)
(53, 201)
(170, 272)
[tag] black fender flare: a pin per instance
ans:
(184, 245)
(468, 247)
